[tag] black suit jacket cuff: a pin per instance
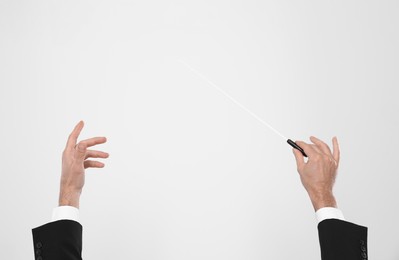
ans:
(58, 240)
(342, 240)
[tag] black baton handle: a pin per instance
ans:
(293, 144)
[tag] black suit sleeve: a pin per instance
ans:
(341, 240)
(59, 240)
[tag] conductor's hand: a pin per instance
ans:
(74, 162)
(319, 172)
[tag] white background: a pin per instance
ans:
(190, 174)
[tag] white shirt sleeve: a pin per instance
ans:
(65, 212)
(328, 213)
(72, 213)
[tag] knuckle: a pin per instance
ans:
(317, 157)
(82, 146)
(326, 158)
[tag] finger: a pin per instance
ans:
(336, 151)
(80, 151)
(300, 160)
(321, 145)
(93, 164)
(94, 141)
(309, 150)
(317, 149)
(96, 154)
(73, 137)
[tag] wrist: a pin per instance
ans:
(322, 200)
(68, 198)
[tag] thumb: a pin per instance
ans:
(299, 158)
(80, 153)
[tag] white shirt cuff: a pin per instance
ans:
(65, 212)
(328, 213)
